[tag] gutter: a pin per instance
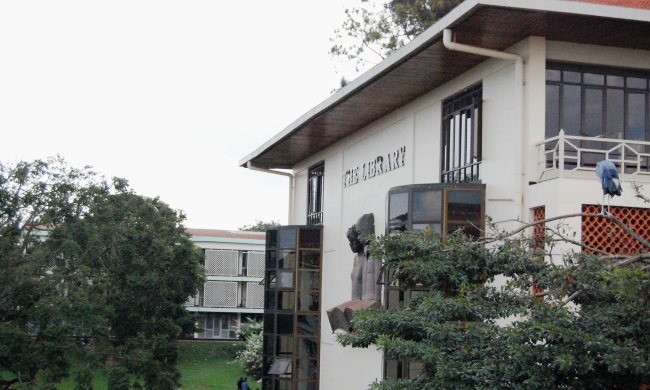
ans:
(519, 97)
(250, 166)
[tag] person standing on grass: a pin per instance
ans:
(239, 382)
(244, 384)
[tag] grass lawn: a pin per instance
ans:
(203, 365)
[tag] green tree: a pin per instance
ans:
(371, 31)
(250, 358)
(109, 265)
(580, 324)
(260, 226)
(35, 197)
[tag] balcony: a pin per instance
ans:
(573, 156)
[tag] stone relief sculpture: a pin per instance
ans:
(366, 293)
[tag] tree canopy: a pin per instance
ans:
(88, 259)
(507, 313)
(260, 226)
(372, 31)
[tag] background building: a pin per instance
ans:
(501, 109)
(234, 268)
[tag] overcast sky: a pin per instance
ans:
(169, 95)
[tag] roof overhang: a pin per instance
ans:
(425, 64)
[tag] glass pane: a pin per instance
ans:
(398, 210)
(309, 280)
(309, 301)
(269, 299)
(434, 227)
(464, 209)
(310, 260)
(571, 109)
(288, 238)
(285, 279)
(287, 260)
(271, 238)
(307, 347)
(285, 324)
(427, 206)
(310, 238)
(571, 77)
(284, 345)
(593, 112)
(286, 300)
(269, 322)
(270, 280)
(307, 369)
(552, 110)
(393, 298)
(594, 79)
(268, 344)
(636, 117)
(308, 325)
(552, 75)
(615, 81)
(393, 369)
(271, 259)
(615, 113)
(307, 385)
(636, 82)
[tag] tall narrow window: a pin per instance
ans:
(461, 137)
(316, 195)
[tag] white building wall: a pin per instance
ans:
(509, 170)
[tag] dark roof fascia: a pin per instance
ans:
(432, 35)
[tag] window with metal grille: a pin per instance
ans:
(221, 262)
(461, 137)
(316, 195)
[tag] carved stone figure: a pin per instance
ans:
(366, 293)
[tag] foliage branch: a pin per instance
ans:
(511, 311)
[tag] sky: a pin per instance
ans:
(169, 95)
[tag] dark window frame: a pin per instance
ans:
(593, 80)
(462, 164)
(315, 194)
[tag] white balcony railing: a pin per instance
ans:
(564, 156)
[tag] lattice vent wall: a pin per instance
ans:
(191, 301)
(255, 264)
(221, 262)
(539, 214)
(607, 236)
(254, 295)
(220, 294)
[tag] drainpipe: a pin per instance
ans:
(519, 97)
(250, 166)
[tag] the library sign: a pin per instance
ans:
(374, 167)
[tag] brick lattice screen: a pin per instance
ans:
(607, 236)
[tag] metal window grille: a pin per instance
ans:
(221, 262)
(461, 137)
(255, 264)
(191, 301)
(316, 195)
(254, 295)
(220, 294)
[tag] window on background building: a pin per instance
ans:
(461, 137)
(597, 102)
(316, 195)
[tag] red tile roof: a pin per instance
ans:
(644, 4)
(226, 234)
